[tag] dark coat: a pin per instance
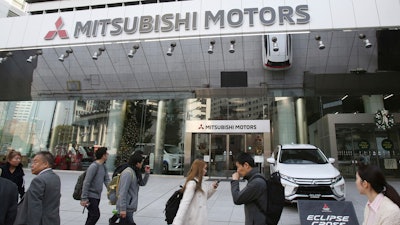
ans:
(8, 202)
(17, 176)
(252, 192)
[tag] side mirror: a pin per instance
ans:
(271, 160)
(331, 160)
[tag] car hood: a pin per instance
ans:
(308, 170)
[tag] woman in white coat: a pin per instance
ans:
(193, 207)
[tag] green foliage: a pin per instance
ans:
(136, 122)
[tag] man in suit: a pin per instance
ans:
(8, 202)
(41, 202)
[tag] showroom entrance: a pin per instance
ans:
(223, 149)
(217, 142)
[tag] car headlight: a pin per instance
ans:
(290, 179)
(336, 179)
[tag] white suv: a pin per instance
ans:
(306, 173)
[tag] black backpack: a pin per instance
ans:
(275, 199)
(172, 205)
(78, 187)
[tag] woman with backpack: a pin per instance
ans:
(193, 206)
(383, 200)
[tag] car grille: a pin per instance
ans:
(320, 189)
(312, 181)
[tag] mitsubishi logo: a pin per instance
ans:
(61, 33)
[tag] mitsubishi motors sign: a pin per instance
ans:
(227, 126)
(193, 19)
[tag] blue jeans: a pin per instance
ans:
(93, 211)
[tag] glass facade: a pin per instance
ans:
(73, 130)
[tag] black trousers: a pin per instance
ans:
(93, 211)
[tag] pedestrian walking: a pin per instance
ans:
(41, 202)
(130, 181)
(254, 191)
(96, 176)
(193, 206)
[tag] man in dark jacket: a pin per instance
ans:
(254, 191)
(8, 203)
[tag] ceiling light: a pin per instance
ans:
(365, 40)
(33, 57)
(344, 97)
(171, 49)
(275, 46)
(232, 48)
(98, 53)
(211, 47)
(133, 51)
(320, 43)
(63, 56)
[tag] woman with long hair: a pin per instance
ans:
(383, 200)
(193, 207)
(13, 171)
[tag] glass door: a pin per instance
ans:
(223, 148)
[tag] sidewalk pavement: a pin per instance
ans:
(153, 196)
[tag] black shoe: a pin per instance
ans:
(113, 219)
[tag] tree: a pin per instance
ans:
(137, 119)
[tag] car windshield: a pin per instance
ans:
(173, 150)
(302, 156)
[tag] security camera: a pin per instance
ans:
(133, 51)
(29, 60)
(171, 49)
(367, 43)
(61, 58)
(211, 48)
(98, 53)
(321, 45)
(232, 48)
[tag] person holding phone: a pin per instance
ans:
(193, 207)
(130, 181)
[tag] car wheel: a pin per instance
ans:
(165, 168)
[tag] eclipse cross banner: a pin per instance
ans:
(320, 212)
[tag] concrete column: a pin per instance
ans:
(160, 136)
(104, 133)
(301, 121)
(100, 138)
(286, 121)
(372, 103)
(113, 132)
